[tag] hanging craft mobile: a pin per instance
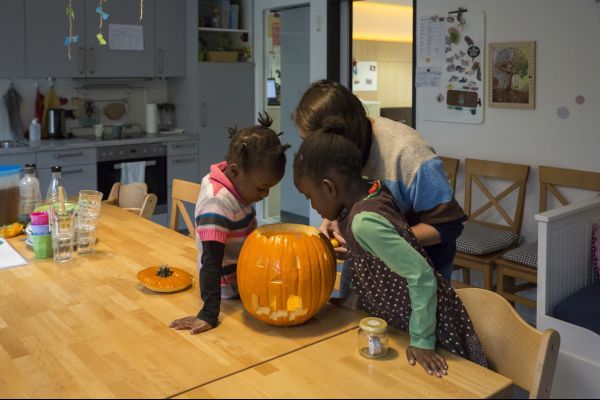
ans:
(141, 11)
(102, 17)
(71, 38)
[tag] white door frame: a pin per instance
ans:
(318, 59)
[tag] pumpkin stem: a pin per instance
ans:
(164, 271)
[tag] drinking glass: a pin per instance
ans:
(87, 217)
(63, 232)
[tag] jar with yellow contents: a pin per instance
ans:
(372, 337)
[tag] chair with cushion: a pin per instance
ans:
(512, 347)
(521, 263)
(451, 168)
(133, 197)
(183, 192)
(483, 240)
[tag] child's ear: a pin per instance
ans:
(234, 169)
(330, 187)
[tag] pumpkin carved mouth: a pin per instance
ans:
(285, 273)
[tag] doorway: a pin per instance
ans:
(291, 48)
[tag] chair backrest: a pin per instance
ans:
(512, 347)
(451, 168)
(133, 197)
(551, 178)
(183, 191)
(477, 171)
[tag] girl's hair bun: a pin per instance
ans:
(265, 119)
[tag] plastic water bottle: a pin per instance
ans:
(35, 133)
(29, 193)
(55, 182)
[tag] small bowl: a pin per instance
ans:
(40, 229)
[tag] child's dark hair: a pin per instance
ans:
(256, 145)
(327, 98)
(328, 150)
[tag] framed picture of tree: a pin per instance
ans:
(511, 75)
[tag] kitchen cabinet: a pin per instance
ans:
(12, 25)
(45, 32)
(104, 62)
(75, 178)
(17, 159)
(78, 169)
(162, 53)
(170, 38)
(182, 163)
(225, 100)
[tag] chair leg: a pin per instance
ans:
(506, 284)
(466, 273)
(488, 279)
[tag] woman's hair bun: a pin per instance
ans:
(334, 124)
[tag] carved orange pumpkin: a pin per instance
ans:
(285, 273)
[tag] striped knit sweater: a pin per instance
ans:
(223, 216)
(415, 175)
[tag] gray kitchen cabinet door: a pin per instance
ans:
(182, 167)
(225, 100)
(170, 38)
(75, 178)
(46, 28)
(12, 46)
(106, 61)
(17, 159)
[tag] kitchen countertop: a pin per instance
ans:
(91, 141)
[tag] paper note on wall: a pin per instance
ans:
(126, 37)
(364, 76)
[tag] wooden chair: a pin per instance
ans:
(451, 168)
(482, 241)
(512, 347)
(183, 191)
(509, 270)
(133, 197)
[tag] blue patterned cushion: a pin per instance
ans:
(526, 255)
(479, 240)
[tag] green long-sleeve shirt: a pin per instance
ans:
(377, 235)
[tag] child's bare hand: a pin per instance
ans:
(194, 324)
(431, 361)
(341, 250)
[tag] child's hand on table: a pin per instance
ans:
(431, 361)
(194, 324)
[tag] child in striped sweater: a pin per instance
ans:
(225, 214)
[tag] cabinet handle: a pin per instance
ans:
(72, 171)
(161, 61)
(64, 155)
(203, 115)
(92, 60)
(183, 145)
(184, 160)
(81, 61)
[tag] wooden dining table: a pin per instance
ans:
(87, 328)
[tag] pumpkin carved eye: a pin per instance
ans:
(285, 273)
(164, 278)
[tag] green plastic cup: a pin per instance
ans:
(42, 246)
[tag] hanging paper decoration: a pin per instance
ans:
(141, 11)
(102, 17)
(71, 38)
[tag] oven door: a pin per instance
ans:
(109, 172)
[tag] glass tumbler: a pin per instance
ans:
(87, 218)
(63, 232)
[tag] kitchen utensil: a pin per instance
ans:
(114, 111)
(117, 130)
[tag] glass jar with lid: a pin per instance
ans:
(372, 337)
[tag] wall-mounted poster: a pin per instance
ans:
(458, 94)
(511, 75)
(364, 76)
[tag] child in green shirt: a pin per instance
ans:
(390, 270)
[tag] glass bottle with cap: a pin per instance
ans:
(55, 182)
(372, 337)
(29, 193)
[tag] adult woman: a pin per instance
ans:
(397, 155)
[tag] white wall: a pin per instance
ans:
(568, 64)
